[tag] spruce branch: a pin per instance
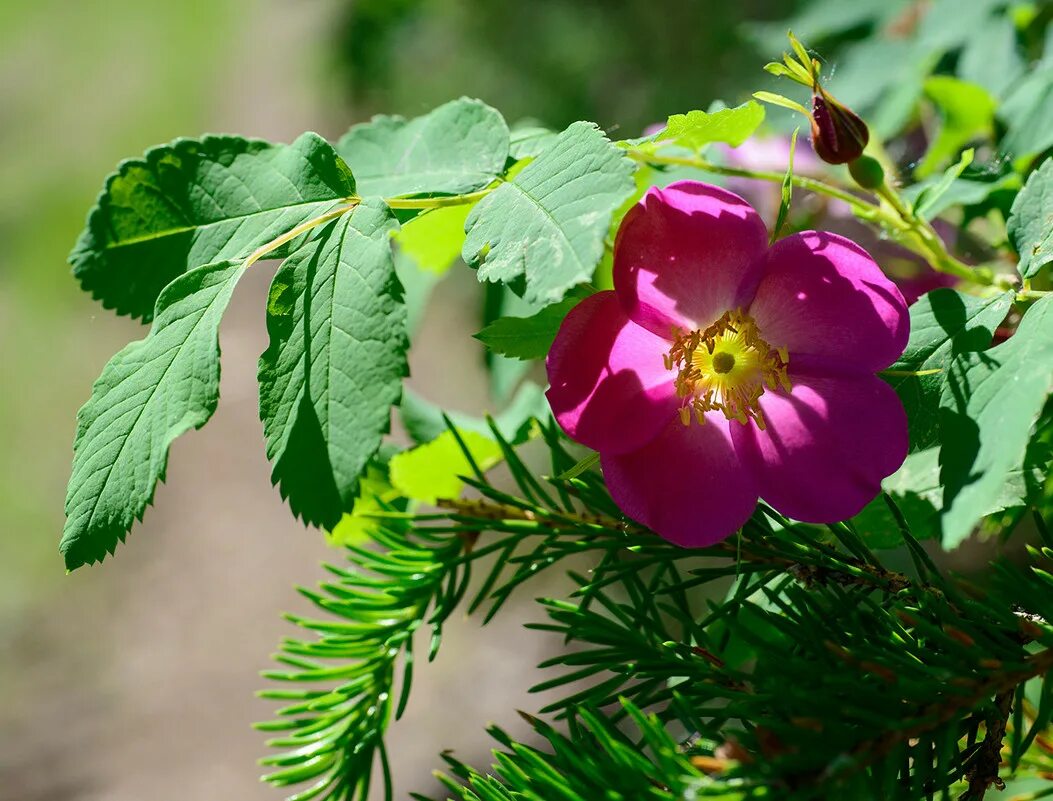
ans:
(787, 684)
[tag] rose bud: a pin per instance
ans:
(838, 134)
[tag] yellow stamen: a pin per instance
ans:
(730, 373)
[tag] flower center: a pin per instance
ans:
(726, 367)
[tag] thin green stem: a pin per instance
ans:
(302, 228)
(936, 251)
(811, 184)
(437, 202)
(910, 230)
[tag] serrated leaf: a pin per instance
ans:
(432, 471)
(526, 337)
(335, 364)
(458, 147)
(148, 394)
(696, 129)
(918, 493)
(548, 224)
(944, 324)
(194, 202)
(989, 407)
(1030, 225)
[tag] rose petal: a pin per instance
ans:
(687, 485)
(609, 389)
(686, 254)
(825, 300)
(826, 446)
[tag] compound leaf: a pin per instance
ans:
(548, 224)
(337, 356)
(458, 147)
(148, 394)
(198, 201)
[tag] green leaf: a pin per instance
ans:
(966, 112)
(431, 471)
(458, 147)
(335, 364)
(527, 337)
(418, 285)
(548, 224)
(699, 128)
(786, 195)
(529, 141)
(434, 239)
(991, 57)
(194, 202)
(990, 405)
(963, 191)
(928, 197)
(1030, 224)
(1028, 114)
(944, 324)
(148, 394)
(375, 493)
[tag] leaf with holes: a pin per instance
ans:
(547, 225)
(197, 201)
(335, 364)
(459, 147)
(150, 392)
(1030, 225)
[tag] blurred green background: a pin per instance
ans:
(134, 679)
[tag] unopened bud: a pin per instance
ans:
(867, 172)
(838, 134)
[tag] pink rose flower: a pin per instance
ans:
(720, 371)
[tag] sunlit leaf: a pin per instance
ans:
(458, 147)
(194, 202)
(696, 129)
(432, 470)
(148, 394)
(335, 363)
(547, 225)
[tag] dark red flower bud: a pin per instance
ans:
(838, 134)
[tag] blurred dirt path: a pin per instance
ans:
(134, 680)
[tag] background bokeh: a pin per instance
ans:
(135, 679)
